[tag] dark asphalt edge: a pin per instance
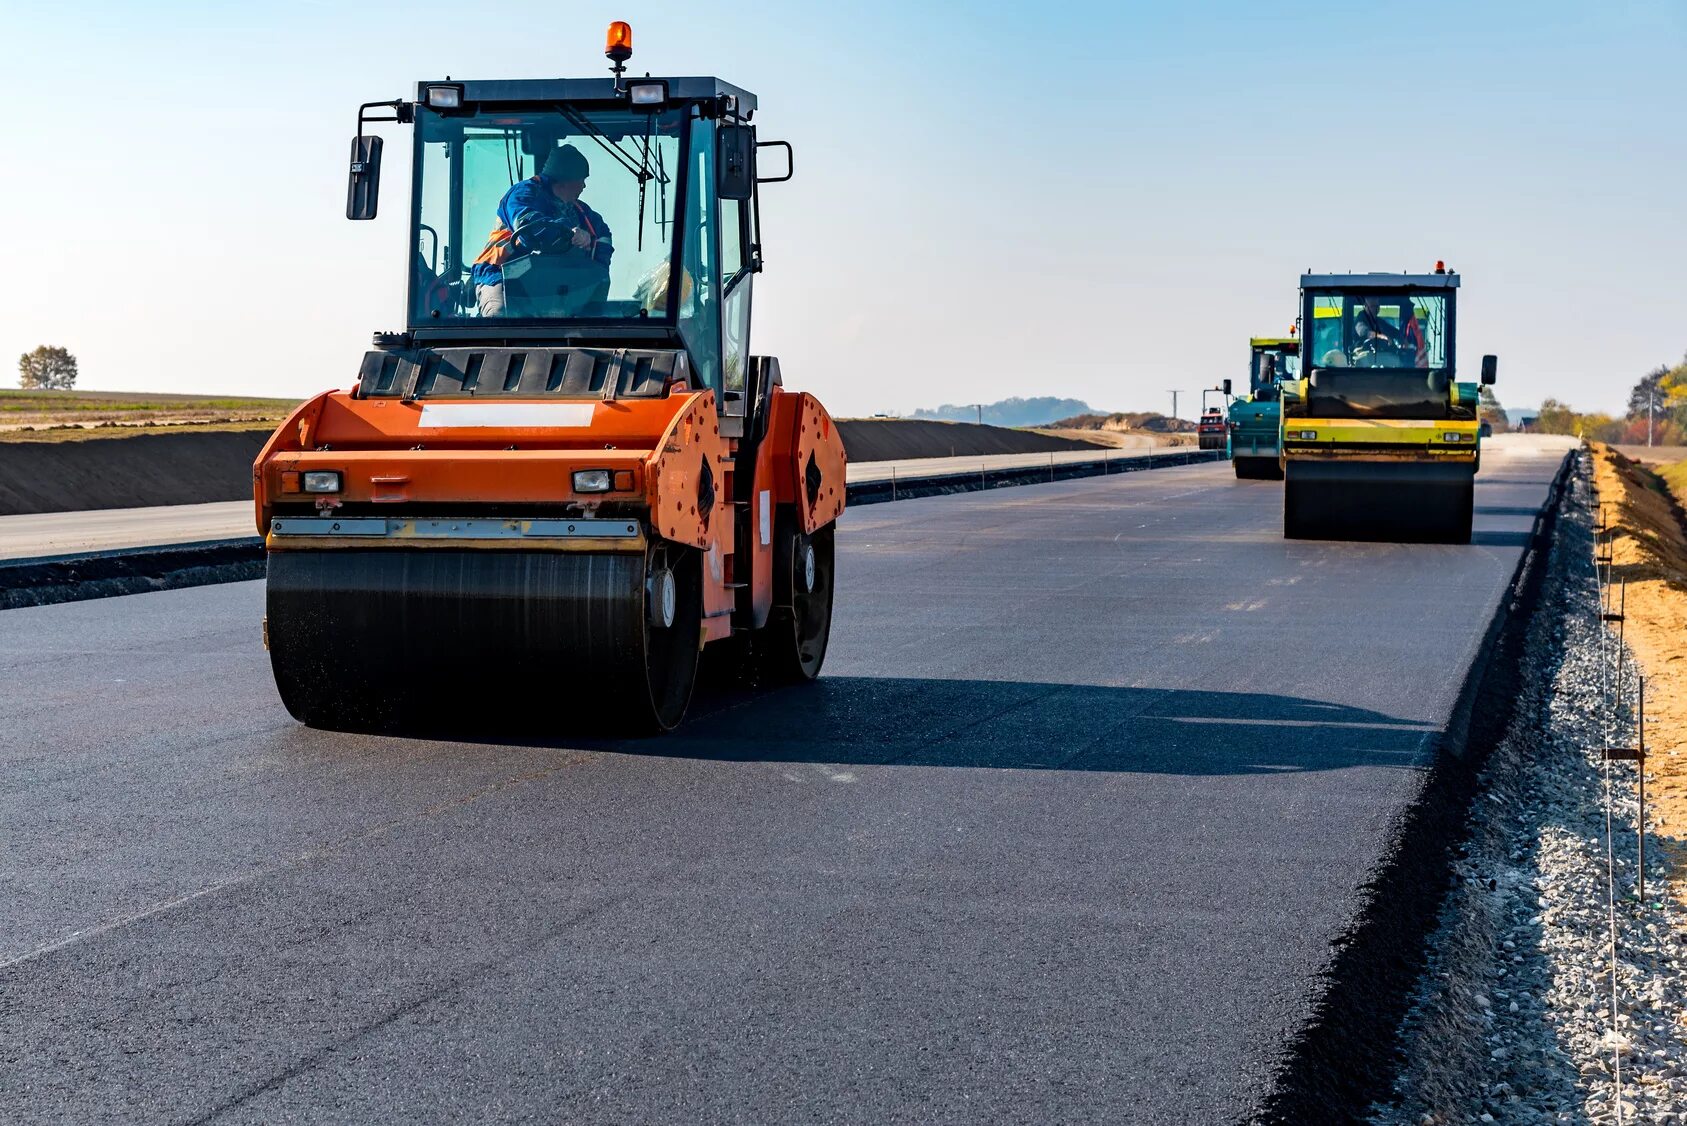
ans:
(136, 570)
(1346, 1059)
(105, 574)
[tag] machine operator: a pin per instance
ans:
(1376, 337)
(545, 214)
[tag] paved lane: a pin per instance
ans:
(1095, 774)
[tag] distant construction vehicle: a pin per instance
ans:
(568, 474)
(1256, 418)
(1379, 440)
(1211, 432)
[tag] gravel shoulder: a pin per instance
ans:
(1523, 1014)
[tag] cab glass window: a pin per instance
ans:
(543, 215)
(1378, 329)
(699, 304)
(738, 270)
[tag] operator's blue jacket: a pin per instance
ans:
(531, 217)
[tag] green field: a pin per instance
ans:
(69, 415)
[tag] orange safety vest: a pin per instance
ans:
(500, 244)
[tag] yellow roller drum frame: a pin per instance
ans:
(1380, 439)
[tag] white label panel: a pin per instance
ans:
(446, 415)
(766, 517)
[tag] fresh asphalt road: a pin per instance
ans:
(1094, 775)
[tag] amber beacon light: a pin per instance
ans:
(618, 47)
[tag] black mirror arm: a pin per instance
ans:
(402, 113)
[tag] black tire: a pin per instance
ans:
(671, 653)
(792, 646)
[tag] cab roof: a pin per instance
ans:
(586, 89)
(1274, 342)
(1352, 282)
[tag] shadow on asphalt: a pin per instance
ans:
(873, 721)
(1500, 539)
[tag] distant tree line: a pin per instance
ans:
(1662, 392)
(1039, 411)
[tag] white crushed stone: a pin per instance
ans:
(1512, 1022)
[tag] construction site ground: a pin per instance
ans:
(1042, 857)
(1644, 504)
(1123, 439)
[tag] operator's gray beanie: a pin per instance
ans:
(566, 164)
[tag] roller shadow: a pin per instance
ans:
(872, 721)
(1500, 539)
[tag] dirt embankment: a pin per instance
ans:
(159, 468)
(898, 439)
(1649, 552)
(134, 471)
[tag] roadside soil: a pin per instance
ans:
(898, 439)
(1654, 455)
(1123, 439)
(1649, 553)
(136, 470)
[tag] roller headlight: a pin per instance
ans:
(591, 480)
(322, 481)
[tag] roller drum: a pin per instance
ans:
(1393, 502)
(400, 640)
(1257, 468)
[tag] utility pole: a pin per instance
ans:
(1174, 404)
(981, 414)
(1651, 397)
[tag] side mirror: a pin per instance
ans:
(735, 162)
(1226, 388)
(364, 190)
(1490, 370)
(790, 161)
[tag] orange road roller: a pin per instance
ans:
(568, 474)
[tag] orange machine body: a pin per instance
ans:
(672, 471)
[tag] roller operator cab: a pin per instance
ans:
(569, 473)
(1379, 439)
(1255, 420)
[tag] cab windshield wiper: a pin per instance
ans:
(636, 163)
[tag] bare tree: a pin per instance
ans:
(47, 369)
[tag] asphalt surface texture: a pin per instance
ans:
(1095, 774)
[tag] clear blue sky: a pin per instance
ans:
(1095, 200)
